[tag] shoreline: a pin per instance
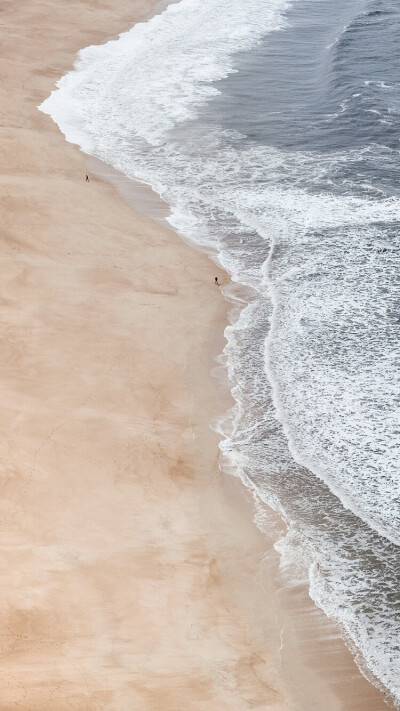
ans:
(138, 577)
(340, 682)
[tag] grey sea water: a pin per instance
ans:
(325, 94)
(272, 129)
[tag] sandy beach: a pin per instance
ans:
(132, 576)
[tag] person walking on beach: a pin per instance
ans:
(216, 281)
(87, 178)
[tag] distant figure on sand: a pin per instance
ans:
(87, 178)
(216, 281)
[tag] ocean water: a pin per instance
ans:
(272, 128)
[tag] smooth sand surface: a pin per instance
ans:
(132, 577)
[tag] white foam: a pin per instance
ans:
(159, 73)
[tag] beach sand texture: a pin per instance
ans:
(131, 573)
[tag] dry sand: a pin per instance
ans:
(132, 577)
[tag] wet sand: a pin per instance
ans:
(132, 575)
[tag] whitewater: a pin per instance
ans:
(271, 128)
